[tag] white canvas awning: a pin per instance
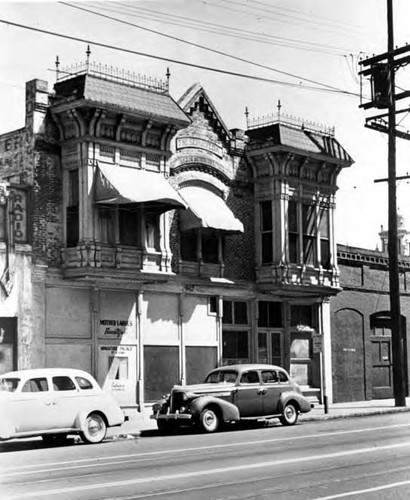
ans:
(119, 185)
(207, 210)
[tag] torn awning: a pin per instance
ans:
(119, 185)
(207, 210)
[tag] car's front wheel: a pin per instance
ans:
(209, 420)
(95, 429)
(290, 415)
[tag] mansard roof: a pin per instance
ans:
(196, 97)
(108, 93)
(298, 139)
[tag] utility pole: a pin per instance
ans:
(382, 73)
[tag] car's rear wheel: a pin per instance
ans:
(209, 420)
(95, 429)
(290, 415)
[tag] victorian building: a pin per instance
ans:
(144, 241)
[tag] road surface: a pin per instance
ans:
(366, 458)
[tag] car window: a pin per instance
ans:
(251, 377)
(62, 383)
(283, 377)
(221, 377)
(83, 383)
(269, 377)
(35, 385)
(9, 384)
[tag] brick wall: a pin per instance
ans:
(365, 292)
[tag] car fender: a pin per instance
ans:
(7, 429)
(288, 396)
(229, 411)
(82, 417)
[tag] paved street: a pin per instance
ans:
(367, 458)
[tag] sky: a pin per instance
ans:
(304, 53)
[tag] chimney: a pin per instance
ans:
(36, 104)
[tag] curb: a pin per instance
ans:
(123, 436)
(303, 418)
(353, 414)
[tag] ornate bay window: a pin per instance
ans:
(308, 234)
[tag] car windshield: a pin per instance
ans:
(221, 377)
(9, 384)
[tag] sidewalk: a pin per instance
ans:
(141, 422)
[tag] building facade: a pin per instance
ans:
(361, 331)
(144, 241)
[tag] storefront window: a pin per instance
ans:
(235, 334)
(235, 312)
(270, 314)
(302, 316)
(235, 345)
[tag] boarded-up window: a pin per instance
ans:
(161, 370)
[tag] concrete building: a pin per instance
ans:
(144, 241)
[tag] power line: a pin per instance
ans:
(202, 47)
(279, 11)
(188, 22)
(174, 61)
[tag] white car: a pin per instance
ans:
(54, 402)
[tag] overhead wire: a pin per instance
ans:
(175, 61)
(222, 29)
(231, 56)
(281, 12)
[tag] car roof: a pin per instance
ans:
(250, 366)
(36, 372)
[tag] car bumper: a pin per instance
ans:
(171, 416)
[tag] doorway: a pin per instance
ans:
(270, 347)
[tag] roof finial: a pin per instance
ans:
(168, 74)
(57, 63)
(88, 53)
(247, 116)
(279, 107)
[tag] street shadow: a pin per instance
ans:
(192, 430)
(35, 444)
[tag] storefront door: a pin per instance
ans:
(270, 347)
(300, 357)
(382, 368)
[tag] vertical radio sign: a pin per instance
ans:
(18, 220)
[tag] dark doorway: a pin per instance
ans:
(8, 344)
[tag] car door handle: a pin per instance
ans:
(262, 391)
(49, 403)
